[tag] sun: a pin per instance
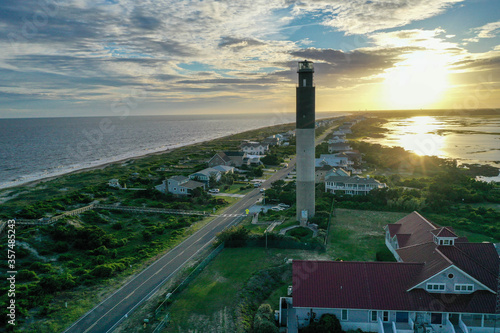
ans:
(416, 82)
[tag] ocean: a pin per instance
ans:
(468, 139)
(37, 148)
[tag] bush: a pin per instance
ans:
(328, 323)
(26, 275)
(264, 320)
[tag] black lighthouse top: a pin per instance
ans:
(305, 96)
(305, 70)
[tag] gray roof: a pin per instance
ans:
(192, 184)
(207, 172)
(179, 179)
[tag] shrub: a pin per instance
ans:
(26, 275)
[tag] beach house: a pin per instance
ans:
(351, 185)
(179, 185)
(441, 283)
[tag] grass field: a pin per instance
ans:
(211, 298)
(357, 235)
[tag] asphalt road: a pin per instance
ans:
(106, 316)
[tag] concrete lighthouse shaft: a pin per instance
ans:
(305, 126)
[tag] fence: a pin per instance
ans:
(152, 210)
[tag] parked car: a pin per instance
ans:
(257, 184)
(282, 205)
(277, 209)
(214, 190)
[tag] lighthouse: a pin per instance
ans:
(305, 125)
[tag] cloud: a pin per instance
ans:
(362, 17)
(489, 30)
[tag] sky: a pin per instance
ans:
(110, 57)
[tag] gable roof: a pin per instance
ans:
(223, 156)
(179, 179)
(192, 184)
(478, 260)
(444, 232)
(377, 286)
(417, 227)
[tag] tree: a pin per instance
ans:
(212, 180)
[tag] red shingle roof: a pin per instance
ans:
(377, 286)
(417, 226)
(444, 232)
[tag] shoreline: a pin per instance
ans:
(32, 183)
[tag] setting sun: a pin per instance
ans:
(417, 82)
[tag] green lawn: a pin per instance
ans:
(358, 235)
(212, 296)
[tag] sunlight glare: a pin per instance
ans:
(420, 137)
(416, 82)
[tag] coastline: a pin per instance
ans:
(34, 182)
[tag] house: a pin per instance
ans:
(326, 170)
(254, 159)
(354, 156)
(346, 128)
(351, 185)
(441, 283)
(320, 173)
(204, 175)
(254, 148)
(338, 147)
(224, 169)
(331, 160)
(273, 140)
(114, 183)
(179, 185)
(337, 139)
(229, 158)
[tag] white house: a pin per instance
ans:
(204, 175)
(441, 283)
(114, 183)
(254, 148)
(338, 147)
(351, 185)
(333, 160)
(337, 139)
(179, 185)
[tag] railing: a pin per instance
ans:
(380, 326)
(462, 325)
(394, 329)
(411, 323)
(451, 328)
(152, 210)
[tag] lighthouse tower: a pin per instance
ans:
(305, 125)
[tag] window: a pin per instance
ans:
(374, 315)
(435, 286)
(450, 276)
(385, 316)
(464, 287)
(344, 315)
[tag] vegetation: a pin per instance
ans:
(328, 323)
